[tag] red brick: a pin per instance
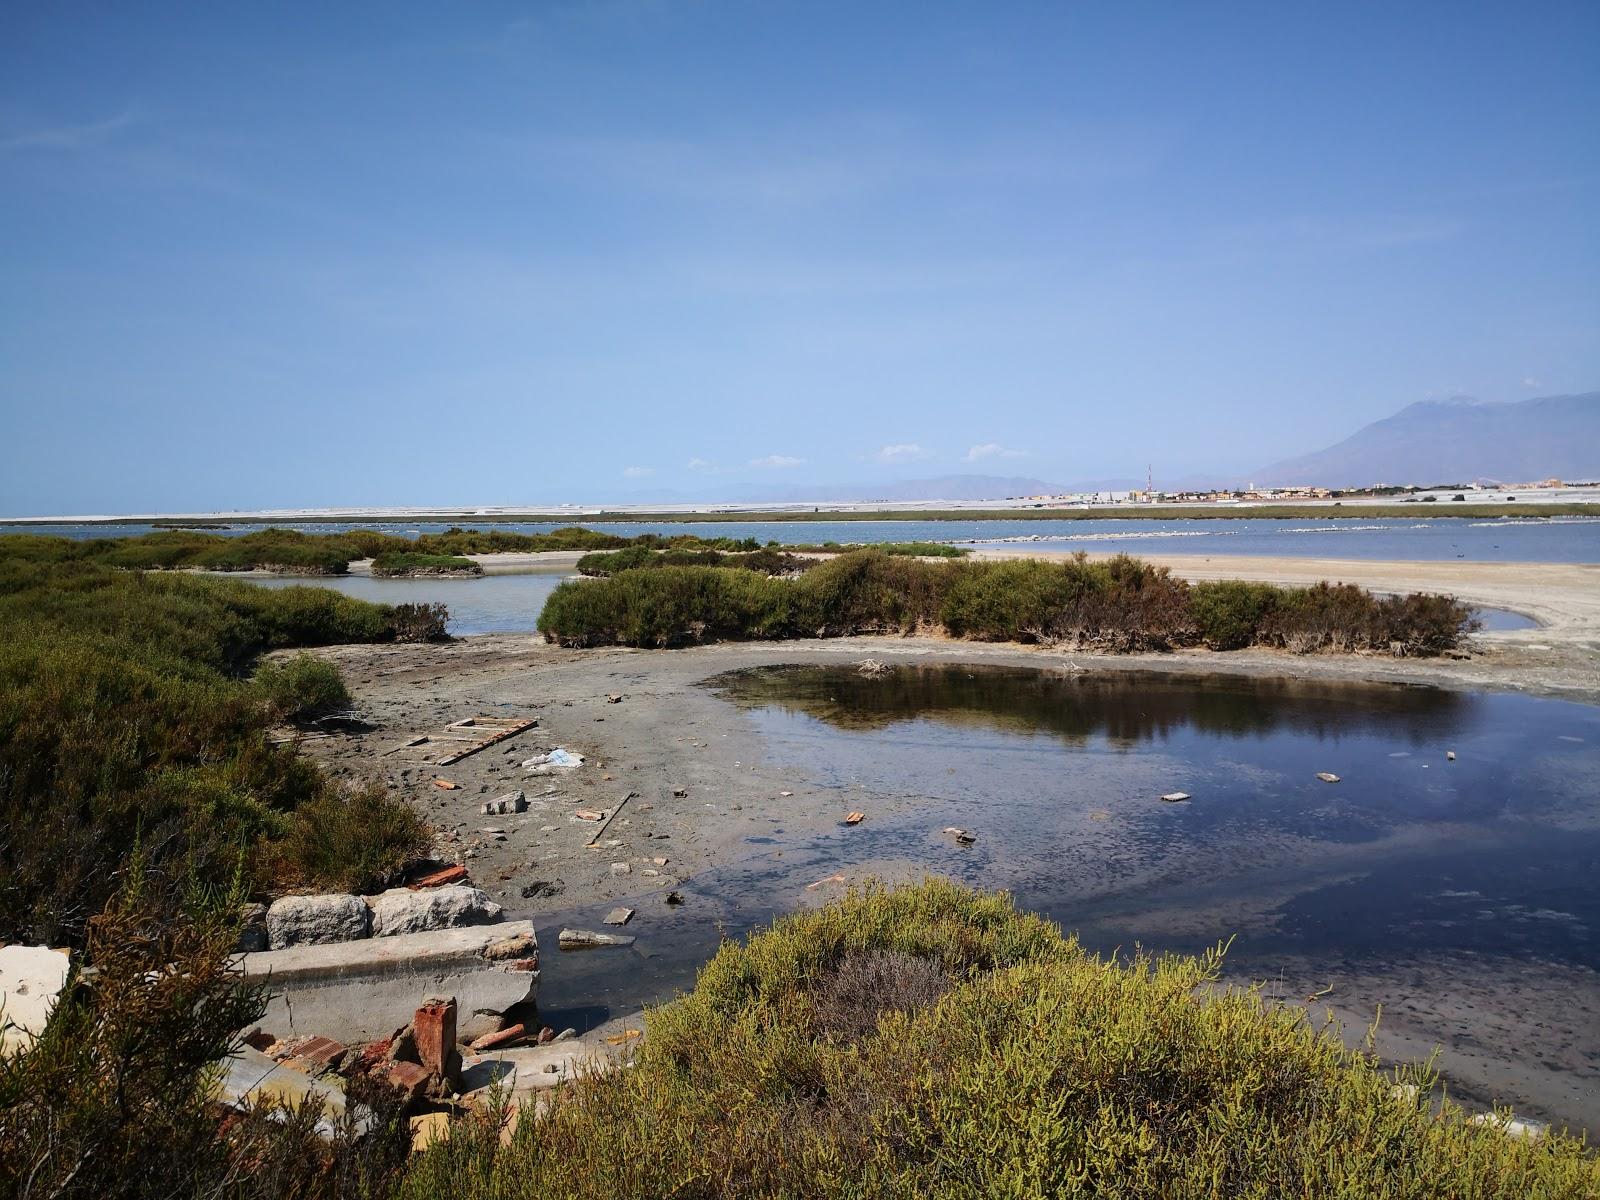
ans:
(410, 1079)
(503, 1037)
(316, 1055)
(434, 1027)
(439, 878)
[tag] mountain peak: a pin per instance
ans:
(1458, 439)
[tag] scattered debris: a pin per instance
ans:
(447, 784)
(1175, 797)
(1511, 1125)
(588, 814)
(674, 898)
(559, 759)
(785, 794)
(429, 1129)
(680, 792)
(461, 739)
(249, 1077)
(588, 939)
(855, 818)
(511, 802)
(455, 874)
(811, 887)
(961, 835)
(871, 667)
(618, 916)
(621, 868)
(1450, 755)
(623, 1038)
(613, 698)
(1327, 777)
(660, 860)
(541, 888)
(610, 815)
(503, 1037)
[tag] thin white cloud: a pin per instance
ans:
(1531, 382)
(992, 450)
(67, 137)
(776, 461)
(903, 452)
(701, 464)
(637, 472)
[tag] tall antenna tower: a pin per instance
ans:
(1150, 482)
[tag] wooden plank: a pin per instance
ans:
(610, 817)
(511, 731)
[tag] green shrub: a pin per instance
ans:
(1230, 612)
(302, 688)
(1028, 1069)
(359, 842)
(125, 715)
(1118, 604)
(420, 623)
(405, 563)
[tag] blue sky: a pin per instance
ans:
(487, 254)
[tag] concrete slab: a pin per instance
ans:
(31, 977)
(362, 991)
(250, 1077)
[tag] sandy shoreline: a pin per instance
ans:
(705, 786)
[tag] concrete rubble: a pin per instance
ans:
(316, 920)
(360, 991)
(402, 911)
(31, 977)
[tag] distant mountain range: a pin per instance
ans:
(1436, 441)
(1459, 441)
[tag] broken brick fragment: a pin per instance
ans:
(503, 1037)
(449, 875)
(315, 1055)
(434, 1027)
(409, 1079)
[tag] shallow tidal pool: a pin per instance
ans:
(1476, 874)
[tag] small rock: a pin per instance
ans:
(621, 868)
(1327, 777)
(1175, 797)
(542, 887)
(674, 898)
(1450, 755)
(252, 928)
(618, 916)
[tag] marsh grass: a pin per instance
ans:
(127, 716)
(1028, 1068)
(1120, 604)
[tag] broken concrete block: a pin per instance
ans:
(316, 920)
(618, 916)
(511, 802)
(250, 1077)
(520, 946)
(621, 868)
(401, 910)
(359, 992)
(31, 977)
(586, 939)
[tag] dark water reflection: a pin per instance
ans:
(1060, 774)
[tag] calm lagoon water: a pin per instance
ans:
(485, 604)
(1059, 775)
(1510, 539)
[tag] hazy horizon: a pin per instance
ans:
(504, 255)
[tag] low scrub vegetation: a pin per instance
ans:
(1119, 604)
(934, 1041)
(399, 563)
(767, 560)
(128, 717)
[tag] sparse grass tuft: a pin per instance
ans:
(395, 563)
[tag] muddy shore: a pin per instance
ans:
(708, 799)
